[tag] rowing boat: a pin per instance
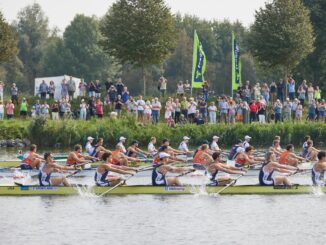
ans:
(31, 190)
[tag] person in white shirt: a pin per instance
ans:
(90, 149)
(151, 147)
(2, 110)
(183, 147)
(214, 145)
(122, 140)
(140, 108)
(212, 109)
(156, 107)
(246, 144)
(192, 107)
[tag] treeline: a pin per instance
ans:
(78, 52)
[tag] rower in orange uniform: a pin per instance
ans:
(245, 157)
(75, 157)
(288, 157)
(31, 159)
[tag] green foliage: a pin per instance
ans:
(282, 34)
(8, 43)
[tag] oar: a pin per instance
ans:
(144, 169)
(185, 173)
(228, 185)
(72, 174)
(116, 186)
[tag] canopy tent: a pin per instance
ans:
(57, 82)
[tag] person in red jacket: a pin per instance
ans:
(253, 111)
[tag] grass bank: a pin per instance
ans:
(48, 133)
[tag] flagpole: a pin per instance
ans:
(232, 64)
(193, 69)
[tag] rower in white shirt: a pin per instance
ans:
(246, 144)
(151, 147)
(183, 147)
(214, 145)
(122, 140)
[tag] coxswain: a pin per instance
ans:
(214, 145)
(245, 157)
(75, 157)
(134, 151)
(31, 159)
(267, 171)
(288, 157)
(183, 147)
(90, 149)
(103, 175)
(122, 141)
(245, 143)
(214, 167)
(304, 152)
(160, 170)
(318, 170)
(48, 168)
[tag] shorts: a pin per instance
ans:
(25, 166)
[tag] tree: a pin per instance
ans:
(139, 32)
(8, 47)
(282, 35)
(32, 29)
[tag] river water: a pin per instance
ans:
(153, 219)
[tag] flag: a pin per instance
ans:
(236, 64)
(199, 64)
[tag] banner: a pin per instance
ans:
(236, 64)
(199, 64)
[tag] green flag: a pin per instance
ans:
(236, 64)
(199, 64)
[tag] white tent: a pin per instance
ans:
(57, 82)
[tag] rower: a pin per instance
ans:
(312, 151)
(151, 147)
(160, 170)
(103, 175)
(75, 157)
(171, 159)
(234, 150)
(48, 168)
(216, 166)
(277, 149)
(245, 143)
(318, 170)
(183, 147)
(122, 140)
(288, 157)
(266, 177)
(90, 149)
(304, 152)
(245, 157)
(202, 157)
(134, 151)
(31, 159)
(214, 145)
(172, 151)
(100, 149)
(119, 158)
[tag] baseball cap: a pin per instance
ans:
(163, 155)
(247, 137)
(90, 138)
(215, 137)
(122, 138)
(186, 138)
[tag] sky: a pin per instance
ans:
(62, 12)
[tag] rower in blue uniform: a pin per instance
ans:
(318, 170)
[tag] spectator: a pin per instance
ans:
(120, 86)
(82, 88)
(256, 92)
(99, 108)
(168, 109)
(278, 110)
(97, 89)
(247, 93)
(182, 120)
(205, 89)
(51, 90)
(92, 106)
(10, 109)
(272, 90)
(23, 109)
(2, 110)
(108, 85)
(118, 105)
(45, 109)
(184, 107)
(180, 89)
(14, 93)
(203, 108)
(192, 107)
(245, 112)
(64, 90)
(91, 89)
(55, 110)
(231, 112)
(71, 88)
(253, 111)
(265, 92)
(125, 95)
(187, 87)
(83, 110)
(312, 110)
(299, 112)
(62, 108)
(294, 108)
(239, 112)
(43, 89)
(177, 110)
(321, 109)
(287, 108)
(291, 88)
(317, 95)
(162, 84)
(140, 108)
(2, 85)
(38, 108)
(302, 94)
(112, 94)
(280, 90)
(132, 107)
(223, 107)
(170, 122)
(212, 109)
(311, 92)
(156, 107)
(262, 110)
(147, 112)
(198, 120)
